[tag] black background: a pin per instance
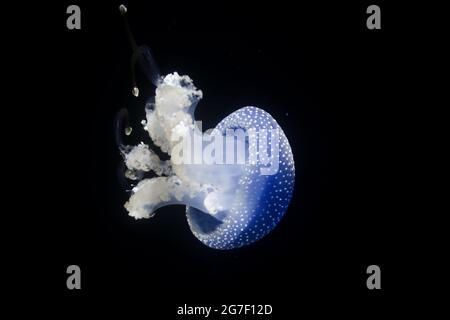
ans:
(331, 84)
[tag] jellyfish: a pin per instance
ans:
(235, 180)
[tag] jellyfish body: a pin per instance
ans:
(259, 201)
(236, 181)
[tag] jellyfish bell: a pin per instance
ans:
(236, 180)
